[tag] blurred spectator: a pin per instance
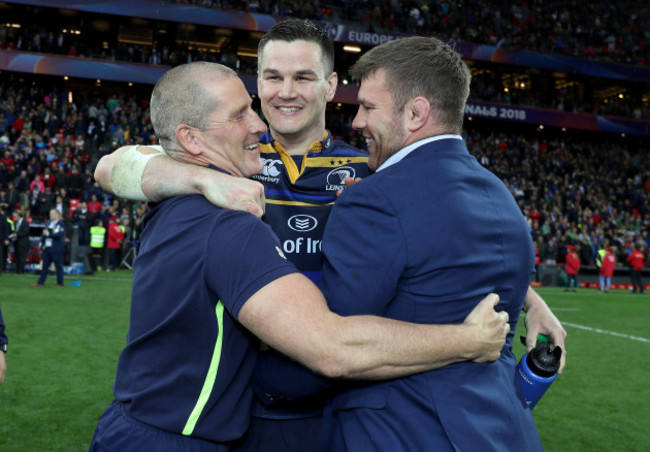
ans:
(22, 242)
(572, 267)
(607, 270)
(5, 233)
(97, 241)
(114, 245)
(635, 260)
(82, 218)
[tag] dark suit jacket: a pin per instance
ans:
(424, 240)
(22, 234)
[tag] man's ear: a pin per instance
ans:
(332, 83)
(189, 138)
(417, 113)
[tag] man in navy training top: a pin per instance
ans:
(207, 277)
(304, 167)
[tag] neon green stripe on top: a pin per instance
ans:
(210, 378)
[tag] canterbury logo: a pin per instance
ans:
(269, 168)
(302, 223)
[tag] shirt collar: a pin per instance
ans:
(399, 155)
(315, 147)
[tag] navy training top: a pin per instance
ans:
(188, 362)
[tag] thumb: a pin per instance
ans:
(492, 299)
(255, 209)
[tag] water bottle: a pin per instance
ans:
(538, 369)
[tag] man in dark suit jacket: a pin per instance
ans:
(423, 240)
(53, 247)
(21, 241)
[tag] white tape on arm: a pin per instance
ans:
(126, 177)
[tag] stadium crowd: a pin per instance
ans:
(614, 32)
(48, 151)
(592, 191)
(571, 190)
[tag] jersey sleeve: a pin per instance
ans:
(243, 256)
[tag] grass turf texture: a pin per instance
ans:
(64, 345)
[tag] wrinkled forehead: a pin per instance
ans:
(228, 95)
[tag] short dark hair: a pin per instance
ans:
(300, 30)
(181, 96)
(421, 66)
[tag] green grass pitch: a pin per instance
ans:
(64, 345)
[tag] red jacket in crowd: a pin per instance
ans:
(94, 206)
(572, 266)
(115, 236)
(635, 259)
(607, 268)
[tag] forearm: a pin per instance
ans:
(291, 316)
(164, 178)
(106, 169)
(378, 348)
(532, 300)
(141, 173)
(406, 348)
(131, 172)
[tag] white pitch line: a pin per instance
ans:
(611, 333)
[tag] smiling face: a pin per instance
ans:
(380, 125)
(294, 90)
(230, 140)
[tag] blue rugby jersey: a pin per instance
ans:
(300, 192)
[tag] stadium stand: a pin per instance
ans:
(552, 111)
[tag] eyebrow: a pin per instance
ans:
(299, 72)
(363, 101)
(241, 110)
